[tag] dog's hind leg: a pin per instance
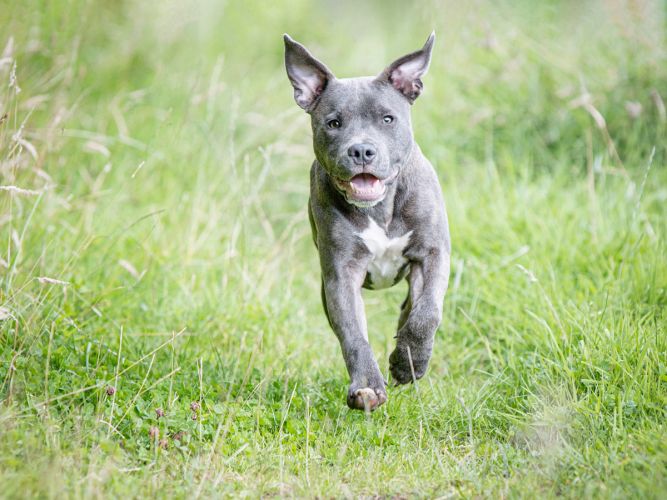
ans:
(406, 306)
(324, 305)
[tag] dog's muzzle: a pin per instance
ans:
(364, 190)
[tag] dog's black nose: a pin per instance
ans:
(362, 153)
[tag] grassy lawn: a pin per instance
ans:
(161, 331)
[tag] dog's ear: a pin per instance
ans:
(308, 76)
(405, 73)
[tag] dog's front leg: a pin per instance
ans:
(414, 341)
(345, 309)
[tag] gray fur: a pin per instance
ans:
(411, 203)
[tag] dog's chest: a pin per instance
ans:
(387, 257)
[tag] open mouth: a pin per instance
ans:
(363, 188)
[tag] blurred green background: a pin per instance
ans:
(155, 251)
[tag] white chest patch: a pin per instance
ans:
(387, 254)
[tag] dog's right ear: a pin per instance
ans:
(405, 73)
(308, 76)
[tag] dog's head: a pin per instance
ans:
(361, 126)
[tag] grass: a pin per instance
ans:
(156, 252)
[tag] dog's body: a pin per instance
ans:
(376, 212)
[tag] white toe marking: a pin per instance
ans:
(387, 254)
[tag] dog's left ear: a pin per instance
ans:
(405, 73)
(308, 76)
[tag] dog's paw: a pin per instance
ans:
(366, 398)
(403, 361)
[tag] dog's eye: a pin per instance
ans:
(333, 124)
(388, 118)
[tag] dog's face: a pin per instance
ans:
(361, 126)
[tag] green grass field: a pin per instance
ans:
(155, 251)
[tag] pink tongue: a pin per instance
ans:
(364, 181)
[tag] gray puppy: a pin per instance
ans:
(376, 211)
